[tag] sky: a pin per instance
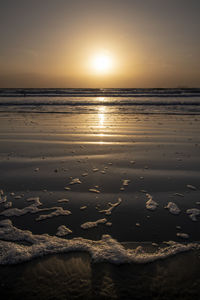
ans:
(56, 43)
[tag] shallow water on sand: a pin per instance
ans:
(159, 155)
(121, 156)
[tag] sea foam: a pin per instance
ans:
(12, 251)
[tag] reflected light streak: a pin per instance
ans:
(101, 120)
(101, 116)
(101, 99)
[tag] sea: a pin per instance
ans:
(128, 101)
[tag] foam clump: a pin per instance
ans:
(173, 208)
(112, 206)
(93, 224)
(83, 207)
(193, 213)
(125, 182)
(63, 200)
(151, 204)
(84, 174)
(109, 224)
(105, 250)
(178, 194)
(63, 230)
(33, 208)
(59, 211)
(8, 204)
(94, 191)
(3, 199)
(75, 181)
(191, 187)
(182, 235)
(18, 197)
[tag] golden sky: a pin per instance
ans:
(112, 43)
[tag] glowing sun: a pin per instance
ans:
(102, 63)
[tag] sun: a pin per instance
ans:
(102, 63)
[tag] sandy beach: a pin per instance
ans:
(99, 150)
(100, 174)
(158, 155)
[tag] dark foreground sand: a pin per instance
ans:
(121, 156)
(72, 276)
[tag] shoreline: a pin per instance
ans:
(72, 170)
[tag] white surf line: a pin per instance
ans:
(12, 251)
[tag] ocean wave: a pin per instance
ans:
(18, 246)
(130, 92)
(97, 101)
(146, 101)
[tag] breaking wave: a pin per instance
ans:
(18, 246)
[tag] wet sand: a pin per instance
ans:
(122, 156)
(73, 276)
(158, 154)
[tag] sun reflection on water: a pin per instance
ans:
(101, 116)
(101, 121)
